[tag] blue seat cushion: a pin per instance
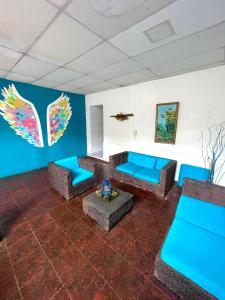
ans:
(149, 175)
(69, 163)
(193, 172)
(198, 254)
(204, 214)
(142, 160)
(161, 163)
(128, 168)
(79, 175)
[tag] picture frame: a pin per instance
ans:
(166, 122)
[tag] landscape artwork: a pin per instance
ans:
(166, 122)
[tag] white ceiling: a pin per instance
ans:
(87, 46)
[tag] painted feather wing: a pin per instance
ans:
(22, 116)
(58, 116)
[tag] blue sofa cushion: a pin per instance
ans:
(152, 176)
(69, 163)
(161, 163)
(193, 172)
(79, 175)
(199, 256)
(128, 168)
(142, 160)
(203, 214)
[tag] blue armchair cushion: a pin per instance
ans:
(142, 160)
(69, 163)
(204, 214)
(161, 163)
(198, 254)
(79, 175)
(128, 168)
(152, 176)
(193, 172)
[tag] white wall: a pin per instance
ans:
(202, 99)
(96, 128)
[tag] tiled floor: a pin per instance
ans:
(53, 251)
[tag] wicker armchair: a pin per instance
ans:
(166, 181)
(61, 178)
(203, 221)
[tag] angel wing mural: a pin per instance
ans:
(58, 116)
(22, 116)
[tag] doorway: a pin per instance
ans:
(97, 134)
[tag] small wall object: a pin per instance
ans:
(122, 116)
(166, 122)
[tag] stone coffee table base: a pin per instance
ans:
(107, 214)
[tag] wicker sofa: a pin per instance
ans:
(194, 266)
(148, 172)
(72, 176)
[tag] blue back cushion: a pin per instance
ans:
(204, 214)
(193, 172)
(142, 160)
(161, 163)
(69, 163)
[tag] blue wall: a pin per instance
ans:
(18, 156)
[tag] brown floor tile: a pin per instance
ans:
(42, 286)
(39, 221)
(63, 217)
(29, 267)
(61, 295)
(69, 263)
(76, 231)
(16, 233)
(48, 232)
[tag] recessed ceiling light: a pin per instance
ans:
(114, 7)
(160, 32)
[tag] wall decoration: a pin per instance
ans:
(166, 122)
(58, 116)
(122, 116)
(22, 116)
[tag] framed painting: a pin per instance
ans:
(166, 122)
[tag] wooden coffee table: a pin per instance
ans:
(107, 214)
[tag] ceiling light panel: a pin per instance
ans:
(8, 58)
(160, 32)
(64, 40)
(119, 69)
(186, 17)
(98, 58)
(33, 67)
(62, 75)
(197, 61)
(19, 77)
(107, 26)
(22, 21)
(198, 43)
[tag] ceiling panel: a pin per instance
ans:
(190, 63)
(98, 58)
(132, 78)
(204, 41)
(3, 73)
(58, 3)
(186, 18)
(8, 58)
(44, 83)
(119, 69)
(84, 81)
(19, 77)
(104, 85)
(62, 75)
(64, 40)
(33, 67)
(67, 88)
(107, 26)
(22, 21)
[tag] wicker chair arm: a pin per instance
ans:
(54, 169)
(204, 191)
(87, 164)
(118, 159)
(167, 175)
